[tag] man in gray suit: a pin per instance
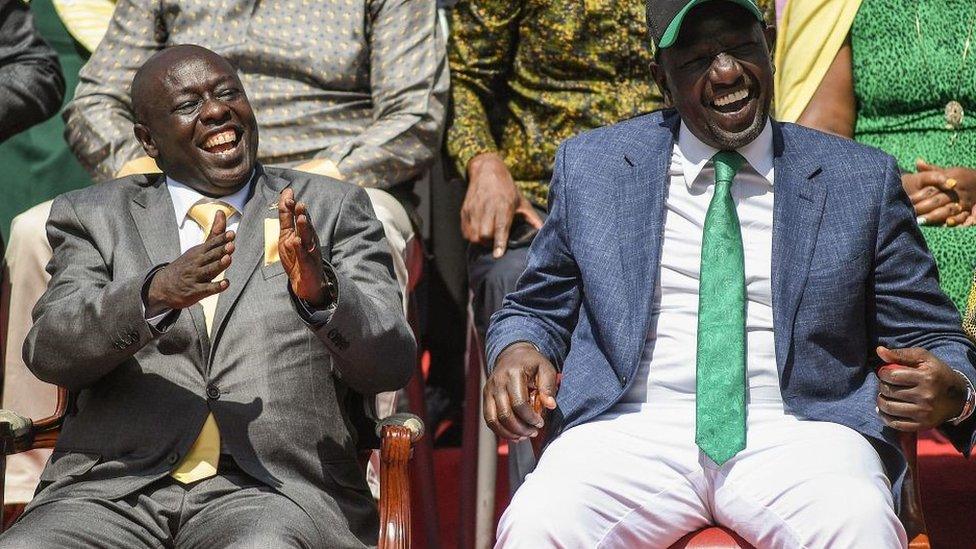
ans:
(221, 425)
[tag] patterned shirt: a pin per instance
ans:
(360, 82)
(528, 74)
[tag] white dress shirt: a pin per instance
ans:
(667, 369)
(185, 197)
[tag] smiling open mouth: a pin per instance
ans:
(733, 101)
(222, 142)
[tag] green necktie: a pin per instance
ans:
(720, 428)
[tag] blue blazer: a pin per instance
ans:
(850, 271)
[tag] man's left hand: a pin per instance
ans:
(298, 248)
(917, 391)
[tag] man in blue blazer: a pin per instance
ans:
(718, 291)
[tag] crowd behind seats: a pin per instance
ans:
(478, 128)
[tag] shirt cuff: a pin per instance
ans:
(970, 406)
(161, 323)
(313, 316)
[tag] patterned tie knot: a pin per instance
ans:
(727, 164)
(204, 214)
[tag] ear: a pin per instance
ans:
(145, 139)
(770, 33)
(661, 79)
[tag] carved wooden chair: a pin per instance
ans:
(396, 435)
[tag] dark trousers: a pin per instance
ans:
(228, 510)
(490, 280)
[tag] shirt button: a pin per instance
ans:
(173, 458)
(213, 392)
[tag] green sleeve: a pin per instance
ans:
(483, 37)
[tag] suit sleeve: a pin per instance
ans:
(408, 85)
(544, 308)
(98, 122)
(372, 345)
(910, 308)
(31, 84)
(86, 323)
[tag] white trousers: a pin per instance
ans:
(27, 256)
(638, 480)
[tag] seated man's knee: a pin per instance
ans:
(543, 514)
(855, 510)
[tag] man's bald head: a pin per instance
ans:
(146, 82)
(193, 117)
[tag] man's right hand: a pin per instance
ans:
(520, 371)
(491, 203)
(190, 278)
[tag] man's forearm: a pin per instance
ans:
(81, 335)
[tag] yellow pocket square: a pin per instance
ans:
(272, 229)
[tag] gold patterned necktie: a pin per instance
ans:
(201, 461)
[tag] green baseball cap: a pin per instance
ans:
(664, 17)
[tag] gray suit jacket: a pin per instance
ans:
(276, 384)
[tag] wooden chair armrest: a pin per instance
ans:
(398, 433)
(25, 434)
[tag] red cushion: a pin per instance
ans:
(713, 537)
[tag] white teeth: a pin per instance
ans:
(223, 137)
(731, 98)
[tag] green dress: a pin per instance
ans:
(902, 85)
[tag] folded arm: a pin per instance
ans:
(98, 122)
(409, 82)
(31, 84)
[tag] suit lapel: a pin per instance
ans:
(798, 206)
(641, 194)
(155, 219)
(249, 246)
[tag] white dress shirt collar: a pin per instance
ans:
(695, 154)
(185, 197)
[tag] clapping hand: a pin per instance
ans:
(300, 253)
(190, 278)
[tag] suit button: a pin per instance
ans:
(213, 392)
(172, 458)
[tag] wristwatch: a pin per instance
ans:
(970, 405)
